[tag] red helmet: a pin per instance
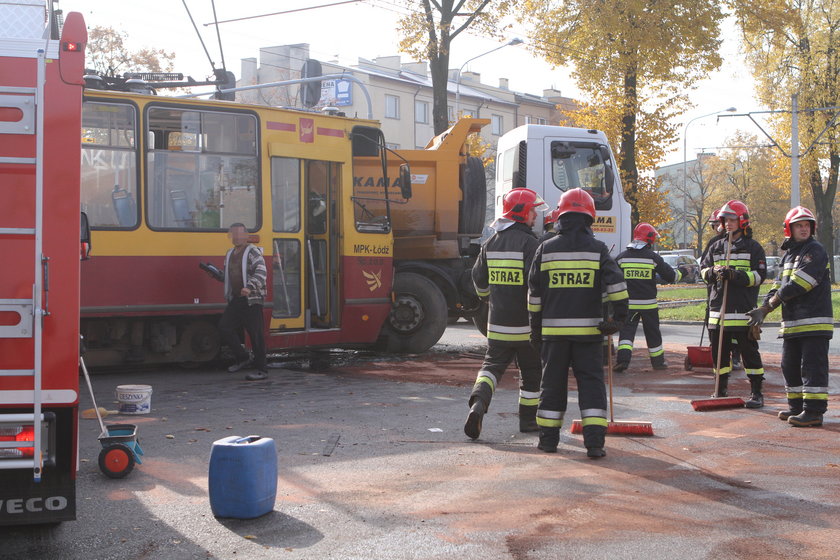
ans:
(576, 200)
(735, 209)
(800, 214)
(645, 232)
(518, 203)
(551, 217)
(713, 219)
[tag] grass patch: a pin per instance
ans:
(697, 312)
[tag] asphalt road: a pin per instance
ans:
(373, 463)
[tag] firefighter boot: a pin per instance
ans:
(756, 399)
(472, 427)
(794, 408)
(528, 418)
(806, 419)
(549, 438)
(593, 439)
(723, 384)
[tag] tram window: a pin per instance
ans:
(285, 194)
(109, 165)
(203, 169)
(286, 278)
(581, 165)
(317, 180)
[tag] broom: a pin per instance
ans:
(622, 427)
(718, 403)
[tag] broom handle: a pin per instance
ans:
(610, 374)
(722, 317)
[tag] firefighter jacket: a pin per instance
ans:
(571, 275)
(501, 273)
(640, 267)
(804, 287)
(747, 258)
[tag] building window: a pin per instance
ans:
(421, 112)
(534, 120)
(496, 124)
(450, 113)
(392, 107)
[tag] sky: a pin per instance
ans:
(367, 29)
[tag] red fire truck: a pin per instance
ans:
(40, 118)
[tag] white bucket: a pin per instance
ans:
(134, 399)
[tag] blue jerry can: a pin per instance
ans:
(243, 477)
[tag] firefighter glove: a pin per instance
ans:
(757, 315)
(725, 273)
(754, 333)
(610, 326)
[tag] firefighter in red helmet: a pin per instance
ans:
(640, 265)
(743, 273)
(500, 274)
(550, 223)
(803, 289)
(570, 273)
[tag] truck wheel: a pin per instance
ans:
(116, 460)
(417, 318)
(474, 204)
(480, 318)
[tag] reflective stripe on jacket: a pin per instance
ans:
(501, 273)
(640, 267)
(566, 285)
(804, 287)
(747, 258)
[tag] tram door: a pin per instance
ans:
(305, 226)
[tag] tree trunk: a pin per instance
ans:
(823, 203)
(439, 66)
(627, 150)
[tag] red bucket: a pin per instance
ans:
(699, 356)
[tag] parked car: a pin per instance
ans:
(773, 267)
(687, 266)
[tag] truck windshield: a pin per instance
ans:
(580, 165)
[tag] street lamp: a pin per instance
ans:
(685, 168)
(512, 42)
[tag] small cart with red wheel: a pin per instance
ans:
(120, 450)
(120, 447)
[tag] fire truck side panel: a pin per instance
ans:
(22, 499)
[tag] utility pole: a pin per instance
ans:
(794, 150)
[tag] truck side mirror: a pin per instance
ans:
(84, 238)
(405, 181)
(609, 172)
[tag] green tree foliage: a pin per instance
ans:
(428, 31)
(793, 47)
(107, 54)
(635, 60)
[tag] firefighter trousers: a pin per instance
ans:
(805, 368)
(585, 360)
(653, 336)
(750, 357)
(496, 360)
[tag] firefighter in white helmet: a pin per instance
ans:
(803, 289)
(501, 275)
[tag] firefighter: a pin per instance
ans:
(743, 273)
(640, 265)
(500, 274)
(803, 289)
(714, 223)
(550, 223)
(570, 273)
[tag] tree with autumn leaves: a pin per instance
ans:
(635, 60)
(108, 55)
(793, 47)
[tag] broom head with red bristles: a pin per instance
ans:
(620, 428)
(717, 403)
